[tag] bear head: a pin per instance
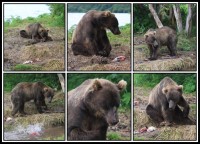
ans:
(173, 94)
(150, 38)
(43, 34)
(109, 21)
(48, 93)
(103, 99)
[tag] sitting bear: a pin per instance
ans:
(90, 38)
(92, 107)
(164, 102)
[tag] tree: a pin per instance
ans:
(177, 13)
(155, 15)
(188, 27)
(62, 81)
(58, 13)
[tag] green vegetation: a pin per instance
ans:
(75, 80)
(55, 19)
(22, 67)
(138, 138)
(123, 38)
(55, 138)
(143, 19)
(185, 43)
(113, 136)
(10, 80)
(150, 80)
(115, 8)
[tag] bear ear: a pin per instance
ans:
(146, 35)
(121, 84)
(106, 14)
(96, 85)
(180, 87)
(45, 89)
(165, 90)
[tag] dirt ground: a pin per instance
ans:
(175, 132)
(123, 128)
(98, 63)
(41, 56)
(185, 60)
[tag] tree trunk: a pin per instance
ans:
(178, 17)
(171, 16)
(155, 15)
(188, 27)
(62, 81)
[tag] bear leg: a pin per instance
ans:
(153, 113)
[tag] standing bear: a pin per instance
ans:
(90, 38)
(92, 107)
(164, 36)
(36, 32)
(26, 91)
(164, 102)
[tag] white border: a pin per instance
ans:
(130, 72)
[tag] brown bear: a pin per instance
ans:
(164, 36)
(26, 91)
(90, 38)
(36, 32)
(164, 100)
(92, 107)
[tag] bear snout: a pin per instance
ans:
(114, 122)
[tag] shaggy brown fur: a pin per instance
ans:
(90, 38)
(164, 100)
(164, 36)
(36, 32)
(92, 107)
(26, 91)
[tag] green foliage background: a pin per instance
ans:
(11, 80)
(55, 18)
(151, 80)
(143, 19)
(75, 80)
(115, 8)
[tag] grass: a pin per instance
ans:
(122, 39)
(25, 67)
(139, 138)
(45, 19)
(56, 138)
(186, 44)
(115, 136)
(185, 63)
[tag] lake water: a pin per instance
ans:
(24, 10)
(74, 18)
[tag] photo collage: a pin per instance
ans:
(100, 71)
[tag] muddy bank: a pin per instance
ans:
(19, 54)
(35, 126)
(100, 63)
(34, 132)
